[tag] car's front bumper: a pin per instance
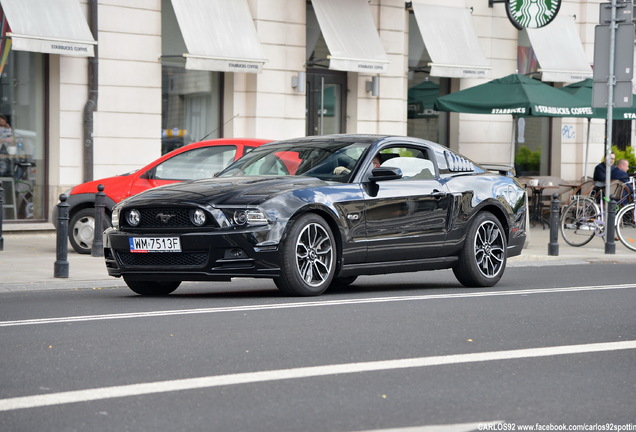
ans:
(204, 256)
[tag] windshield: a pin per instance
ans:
(327, 160)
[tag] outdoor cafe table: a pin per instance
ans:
(536, 204)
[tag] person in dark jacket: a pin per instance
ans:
(600, 170)
(620, 173)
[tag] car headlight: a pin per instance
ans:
(198, 217)
(133, 217)
(249, 217)
(114, 217)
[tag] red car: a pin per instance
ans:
(197, 160)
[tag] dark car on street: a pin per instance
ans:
(190, 162)
(320, 211)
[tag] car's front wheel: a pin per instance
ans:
(309, 257)
(81, 230)
(152, 288)
(482, 260)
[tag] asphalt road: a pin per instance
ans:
(551, 347)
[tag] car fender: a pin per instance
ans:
(81, 201)
(497, 209)
(346, 229)
(329, 214)
(333, 219)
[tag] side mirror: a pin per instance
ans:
(385, 173)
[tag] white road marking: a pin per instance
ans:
(302, 372)
(306, 304)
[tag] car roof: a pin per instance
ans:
(367, 138)
(221, 141)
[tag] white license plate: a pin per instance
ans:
(154, 244)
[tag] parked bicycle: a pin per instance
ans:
(584, 217)
(626, 221)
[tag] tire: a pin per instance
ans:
(577, 221)
(482, 259)
(81, 230)
(152, 288)
(308, 257)
(626, 226)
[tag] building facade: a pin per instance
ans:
(132, 79)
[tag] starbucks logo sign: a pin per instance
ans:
(532, 13)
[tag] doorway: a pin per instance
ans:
(326, 102)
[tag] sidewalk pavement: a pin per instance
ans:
(27, 260)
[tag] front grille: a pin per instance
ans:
(164, 218)
(173, 259)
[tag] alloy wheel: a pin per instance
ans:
(314, 254)
(489, 249)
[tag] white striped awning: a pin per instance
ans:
(219, 35)
(351, 36)
(49, 26)
(451, 41)
(559, 50)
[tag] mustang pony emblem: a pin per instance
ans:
(164, 218)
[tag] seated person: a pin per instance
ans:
(376, 161)
(600, 171)
(345, 170)
(620, 173)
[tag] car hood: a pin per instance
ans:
(225, 191)
(108, 182)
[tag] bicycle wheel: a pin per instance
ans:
(626, 226)
(578, 222)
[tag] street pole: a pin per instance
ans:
(1, 216)
(611, 83)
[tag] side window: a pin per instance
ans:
(195, 164)
(414, 163)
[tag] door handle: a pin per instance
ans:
(438, 194)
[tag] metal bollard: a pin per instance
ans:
(553, 246)
(60, 268)
(97, 250)
(610, 227)
(1, 215)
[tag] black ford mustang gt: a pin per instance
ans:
(319, 211)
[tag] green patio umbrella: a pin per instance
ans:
(583, 91)
(421, 100)
(518, 96)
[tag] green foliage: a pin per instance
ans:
(528, 160)
(628, 154)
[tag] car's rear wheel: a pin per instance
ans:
(152, 288)
(81, 230)
(308, 256)
(482, 260)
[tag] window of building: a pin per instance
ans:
(527, 63)
(326, 89)
(532, 139)
(22, 146)
(532, 146)
(423, 89)
(191, 99)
